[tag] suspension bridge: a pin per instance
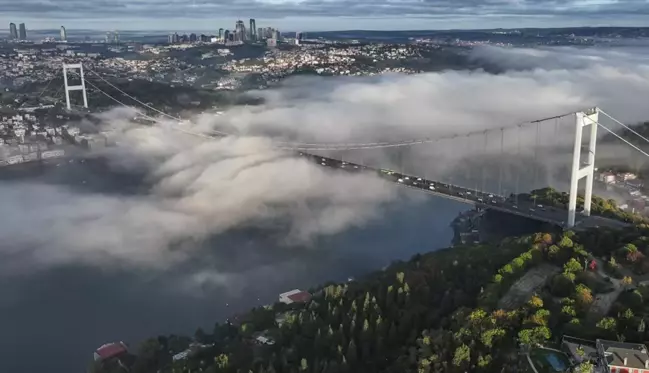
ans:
(498, 188)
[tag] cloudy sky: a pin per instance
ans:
(311, 15)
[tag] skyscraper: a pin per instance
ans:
(226, 36)
(239, 31)
(221, 34)
(260, 34)
(253, 29)
(13, 32)
(23, 32)
(64, 34)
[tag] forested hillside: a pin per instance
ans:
(446, 311)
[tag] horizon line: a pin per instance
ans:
(367, 30)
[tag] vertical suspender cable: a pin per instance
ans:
(484, 175)
(500, 171)
(518, 159)
(536, 153)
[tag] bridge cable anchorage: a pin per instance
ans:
(624, 125)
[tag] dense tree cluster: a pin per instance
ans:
(599, 206)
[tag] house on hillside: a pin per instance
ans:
(619, 357)
(579, 350)
(295, 296)
(110, 350)
(608, 356)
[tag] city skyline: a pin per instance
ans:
(316, 15)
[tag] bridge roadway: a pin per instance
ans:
(492, 201)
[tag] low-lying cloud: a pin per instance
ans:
(202, 189)
(198, 188)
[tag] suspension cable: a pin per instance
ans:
(317, 146)
(48, 84)
(623, 125)
(133, 98)
(618, 136)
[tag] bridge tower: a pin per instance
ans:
(583, 119)
(68, 88)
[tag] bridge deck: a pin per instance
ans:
(522, 208)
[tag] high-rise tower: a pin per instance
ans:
(22, 32)
(239, 31)
(13, 32)
(253, 29)
(64, 34)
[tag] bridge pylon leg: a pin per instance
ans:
(583, 119)
(68, 88)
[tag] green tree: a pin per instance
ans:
(626, 281)
(488, 336)
(506, 270)
(532, 337)
(484, 361)
(462, 355)
(535, 301)
(222, 361)
(607, 323)
(585, 367)
(566, 243)
(572, 266)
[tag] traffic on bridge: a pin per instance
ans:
(511, 205)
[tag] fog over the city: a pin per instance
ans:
(201, 188)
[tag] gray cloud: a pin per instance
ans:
(320, 8)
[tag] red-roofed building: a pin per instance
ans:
(295, 296)
(110, 350)
(301, 297)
